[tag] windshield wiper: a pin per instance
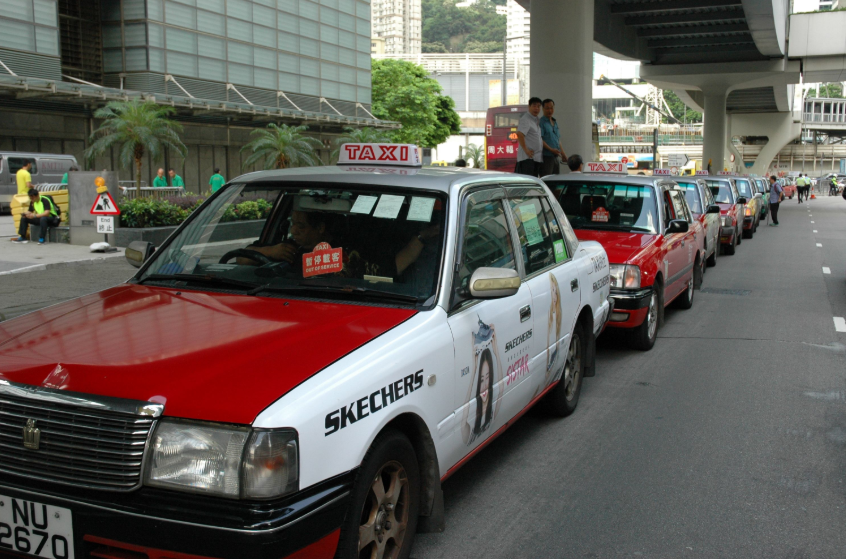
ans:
(342, 289)
(207, 279)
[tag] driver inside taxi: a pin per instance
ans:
(308, 229)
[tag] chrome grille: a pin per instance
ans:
(84, 443)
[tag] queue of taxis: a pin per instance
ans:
(732, 210)
(657, 249)
(300, 385)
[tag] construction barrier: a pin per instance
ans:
(58, 192)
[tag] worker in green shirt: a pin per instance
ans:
(72, 169)
(217, 180)
(175, 180)
(160, 179)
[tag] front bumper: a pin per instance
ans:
(748, 222)
(727, 234)
(630, 307)
(152, 523)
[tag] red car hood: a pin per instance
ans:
(205, 356)
(725, 208)
(620, 246)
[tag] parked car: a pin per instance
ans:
(754, 201)
(788, 186)
(298, 385)
(705, 210)
(46, 168)
(732, 210)
(763, 186)
(655, 246)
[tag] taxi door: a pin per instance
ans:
(490, 335)
(675, 256)
(553, 278)
(686, 247)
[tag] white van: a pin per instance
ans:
(47, 168)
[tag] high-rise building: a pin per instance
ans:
(235, 64)
(518, 26)
(800, 6)
(399, 23)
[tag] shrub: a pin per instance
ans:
(149, 212)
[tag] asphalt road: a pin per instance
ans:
(728, 439)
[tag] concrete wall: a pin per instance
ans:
(208, 146)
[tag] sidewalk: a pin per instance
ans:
(30, 257)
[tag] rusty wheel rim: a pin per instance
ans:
(384, 517)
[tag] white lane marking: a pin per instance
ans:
(826, 270)
(819, 245)
(813, 222)
(840, 324)
(815, 231)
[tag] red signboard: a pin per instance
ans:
(502, 150)
(104, 205)
(324, 260)
(601, 215)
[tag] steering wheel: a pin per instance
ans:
(253, 255)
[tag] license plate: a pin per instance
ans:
(35, 529)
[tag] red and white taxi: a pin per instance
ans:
(732, 210)
(295, 371)
(655, 246)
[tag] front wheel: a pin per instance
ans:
(563, 399)
(685, 300)
(385, 502)
(711, 261)
(643, 337)
(730, 249)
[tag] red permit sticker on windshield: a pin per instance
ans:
(324, 260)
(600, 214)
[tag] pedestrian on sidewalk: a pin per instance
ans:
(160, 179)
(24, 178)
(807, 186)
(776, 196)
(551, 137)
(800, 188)
(73, 168)
(175, 180)
(529, 142)
(216, 181)
(42, 212)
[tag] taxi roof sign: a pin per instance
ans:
(661, 172)
(702, 173)
(605, 167)
(406, 155)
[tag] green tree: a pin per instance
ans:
(680, 110)
(282, 147)
(138, 127)
(403, 91)
(477, 25)
(359, 136)
(831, 91)
(476, 154)
(433, 47)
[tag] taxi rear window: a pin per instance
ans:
(611, 205)
(691, 193)
(721, 191)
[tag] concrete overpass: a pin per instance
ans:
(727, 58)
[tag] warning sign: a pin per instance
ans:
(324, 260)
(104, 205)
(600, 215)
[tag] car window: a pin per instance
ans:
(678, 205)
(744, 188)
(557, 230)
(486, 239)
(15, 164)
(535, 234)
(691, 193)
(607, 205)
(709, 198)
(721, 191)
(668, 214)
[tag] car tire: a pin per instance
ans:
(711, 261)
(748, 233)
(563, 399)
(385, 500)
(643, 337)
(685, 300)
(730, 249)
(738, 234)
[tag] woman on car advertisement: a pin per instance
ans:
(485, 387)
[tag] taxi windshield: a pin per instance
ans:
(608, 205)
(339, 242)
(691, 193)
(721, 191)
(744, 188)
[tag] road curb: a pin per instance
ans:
(50, 265)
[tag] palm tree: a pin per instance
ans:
(359, 136)
(282, 147)
(139, 127)
(476, 154)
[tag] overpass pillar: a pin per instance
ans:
(714, 130)
(562, 67)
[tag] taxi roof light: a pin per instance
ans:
(403, 155)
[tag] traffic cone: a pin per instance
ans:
(813, 196)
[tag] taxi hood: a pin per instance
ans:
(207, 356)
(621, 246)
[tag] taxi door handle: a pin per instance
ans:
(574, 285)
(525, 313)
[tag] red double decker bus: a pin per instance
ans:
(501, 137)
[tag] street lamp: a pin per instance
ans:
(504, 55)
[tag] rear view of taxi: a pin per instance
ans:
(754, 201)
(705, 211)
(655, 246)
(732, 211)
(299, 383)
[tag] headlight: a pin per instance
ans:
(624, 276)
(222, 460)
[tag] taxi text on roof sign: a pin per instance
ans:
(605, 167)
(380, 154)
(661, 172)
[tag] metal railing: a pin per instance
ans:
(156, 192)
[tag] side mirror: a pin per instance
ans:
(713, 209)
(742, 200)
(138, 252)
(678, 226)
(491, 283)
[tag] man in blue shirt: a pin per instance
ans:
(552, 149)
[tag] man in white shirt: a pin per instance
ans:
(529, 141)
